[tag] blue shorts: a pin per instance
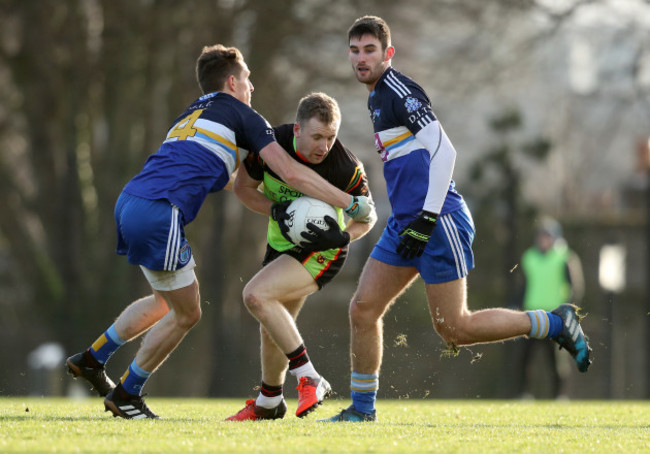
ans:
(151, 233)
(448, 255)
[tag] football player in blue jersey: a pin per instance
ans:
(428, 234)
(202, 149)
(290, 273)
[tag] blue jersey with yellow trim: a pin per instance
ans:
(399, 109)
(202, 149)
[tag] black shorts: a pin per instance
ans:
(322, 265)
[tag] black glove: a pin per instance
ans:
(416, 235)
(279, 214)
(321, 240)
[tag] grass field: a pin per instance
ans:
(196, 425)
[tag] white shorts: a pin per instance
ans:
(171, 280)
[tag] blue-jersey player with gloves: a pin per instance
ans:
(429, 233)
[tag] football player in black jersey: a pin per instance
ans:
(275, 295)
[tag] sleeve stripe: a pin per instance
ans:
(356, 179)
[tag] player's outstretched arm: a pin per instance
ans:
(302, 177)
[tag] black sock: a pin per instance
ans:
(270, 391)
(298, 357)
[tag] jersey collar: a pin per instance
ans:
(295, 148)
(381, 79)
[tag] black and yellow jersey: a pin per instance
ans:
(340, 167)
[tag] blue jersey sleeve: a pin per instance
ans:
(238, 123)
(256, 132)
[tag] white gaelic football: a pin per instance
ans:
(304, 210)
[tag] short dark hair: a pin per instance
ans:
(214, 66)
(371, 25)
(320, 106)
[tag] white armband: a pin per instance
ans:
(442, 157)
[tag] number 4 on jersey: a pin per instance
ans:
(185, 128)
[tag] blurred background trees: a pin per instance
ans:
(88, 89)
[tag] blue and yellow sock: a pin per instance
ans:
(106, 345)
(364, 391)
(544, 325)
(134, 379)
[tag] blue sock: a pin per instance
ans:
(555, 325)
(544, 325)
(106, 345)
(134, 379)
(364, 391)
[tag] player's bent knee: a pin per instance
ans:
(252, 300)
(453, 333)
(448, 336)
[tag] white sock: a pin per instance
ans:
(306, 370)
(268, 402)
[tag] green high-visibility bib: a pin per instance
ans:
(547, 285)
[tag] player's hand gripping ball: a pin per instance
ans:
(279, 215)
(306, 210)
(322, 240)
